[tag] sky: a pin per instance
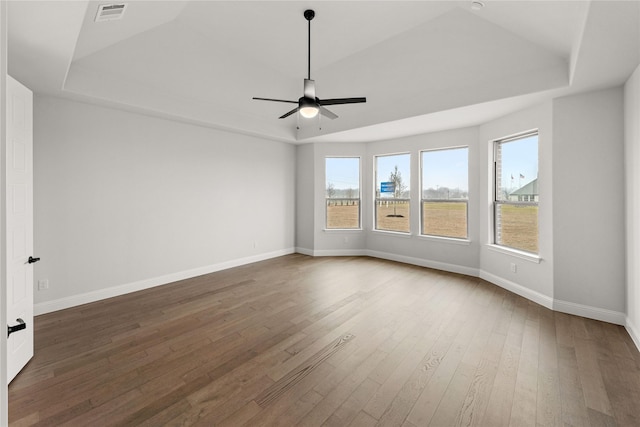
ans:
(446, 168)
(440, 168)
(519, 157)
(343, 172)
(385, 165)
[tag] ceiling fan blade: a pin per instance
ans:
(276, 100)
(337, 101)
(285, 115)
(309, 89)
(328, 114)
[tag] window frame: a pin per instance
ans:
(359, 198)
(495, 203)
(376, 198)
(422, 199)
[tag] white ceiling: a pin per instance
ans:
(423, 65)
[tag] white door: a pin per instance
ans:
(19, 211)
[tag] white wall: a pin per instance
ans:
(632, 197)
(588, 217)
(125, 201)
(532, 279)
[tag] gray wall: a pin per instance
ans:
(588, 216)
(442, 253)
(580, 268)
(123, 200)
(305, 196)
(532, 279)
(632, 195)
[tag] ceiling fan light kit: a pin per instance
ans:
(309, 105)
(308, 109)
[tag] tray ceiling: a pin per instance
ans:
(423, 66)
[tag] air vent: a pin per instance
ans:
(110, 12)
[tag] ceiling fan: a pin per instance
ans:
(309, 105)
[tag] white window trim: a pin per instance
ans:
(403, 234)
(421, 191)
(443, 239)
(375, 175)
(530, 256)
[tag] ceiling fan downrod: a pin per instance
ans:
(309, 14)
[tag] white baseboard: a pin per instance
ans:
(340, 252)
(632, 330)
(544, 300)
(331, 252)
(531, 295)
(304, 251)
(75, 300)
(595, 313)
(589, 312)
(443, 266)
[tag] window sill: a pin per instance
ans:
(515, 253)
(393, 233)
(342, 230)
(442, 239)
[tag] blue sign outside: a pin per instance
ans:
(387, 187)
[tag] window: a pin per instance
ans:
(342, 192)
(445, 192)
(393, 177)
(515, 210)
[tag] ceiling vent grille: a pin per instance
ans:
(110, 12)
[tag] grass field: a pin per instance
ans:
(388, 223)
(445, 219)
(519, 227)
(519, 223)
(343, 216)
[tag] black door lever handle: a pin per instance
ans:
(20, 326)
(32, 260)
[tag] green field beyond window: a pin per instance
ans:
(342, 196)
(445, 192)
(515, 210)
(393, 203)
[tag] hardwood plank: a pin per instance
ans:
(574, 410)
(333, 399)
(296, 375)
(598, 419)
(300, 408)
(595, 393)
(248, 346)
(498, 410)
(363, 420)
(549, 399)
(523, 411)
(353, 405)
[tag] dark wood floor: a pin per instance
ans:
(326, 341)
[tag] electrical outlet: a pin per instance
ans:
(255, 244)
(345, 240)
(514, 267)
(43, 284)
